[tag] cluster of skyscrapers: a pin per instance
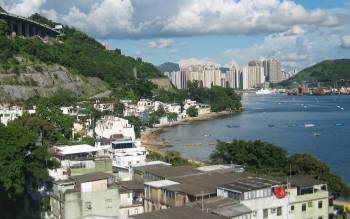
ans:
(256, 74)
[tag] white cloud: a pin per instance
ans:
(165, 43)
(152, 45)
(245, 17)
(195, 61)
(25, 7)
(295, 50)
(162, 43)
(345, 42)
(164, 19)
(297, 35)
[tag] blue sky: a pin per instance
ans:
(300, 33)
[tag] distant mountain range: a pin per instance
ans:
(325, 72)
(168, 67)
(2, 10)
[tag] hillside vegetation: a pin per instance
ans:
(267, 158)
(82, 55)
(325, 72)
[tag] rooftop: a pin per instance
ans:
(204, 183)
(167, 171)
(250, 184)
(305, 181)
(132, 185)
(122, 140)
(90, 177)
(75, 149)
(161, 183)
(184, 212)
(156, 162)
(217, 167)
(223, 206)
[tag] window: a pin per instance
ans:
(273, 210)
(309, 204)
(320, 204)
(279, 211)
(255, 213)
(266, 213)
(108, 203)
(88, 206)
(320, 217)
(292, 208)
(303, 207)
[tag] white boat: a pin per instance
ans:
(309, 125)
(264, 92)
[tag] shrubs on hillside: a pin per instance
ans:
(266, 158)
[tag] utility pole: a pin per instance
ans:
(202, 200)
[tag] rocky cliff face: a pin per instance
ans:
(44, 80)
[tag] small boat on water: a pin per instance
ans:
(339, 124)
(316, 134)
(212, 143)
(188, 145)
(309, 125)
(271, 125)
(232, 126)
(264, 92)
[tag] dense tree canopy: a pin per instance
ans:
(137, 123)
(23, 167)
(3, 27)
(192, 111)
(218, 98)
(267, 158)
(257, 156)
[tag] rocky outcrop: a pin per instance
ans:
(162, 83)
(45, 81)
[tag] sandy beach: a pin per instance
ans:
(150, 137)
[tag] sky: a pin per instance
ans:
(300, 33)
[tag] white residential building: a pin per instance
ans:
(78, 160)
(85, 196)
(102, 107)
(126, 153)
(172, 108)
(302, 197)
(202, 108)
(252, 77)
(10, 114)
(145, 104)
(112, 127)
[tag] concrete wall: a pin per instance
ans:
(311, 202)
(95, 186)
(100, 166)
(104, 203)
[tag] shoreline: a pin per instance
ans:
(150, 137)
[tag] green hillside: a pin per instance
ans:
(325, 72)
(80, 54)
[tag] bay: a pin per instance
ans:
(278, 119)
